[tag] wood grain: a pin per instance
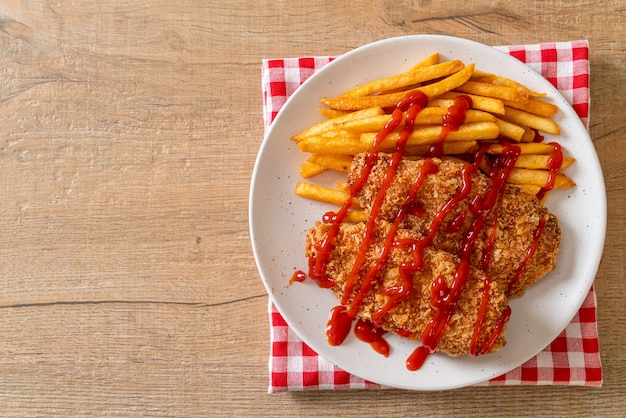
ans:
(128, 136)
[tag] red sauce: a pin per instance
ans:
(405, 333)
(480, 317)
(497, 330)
(457, 223)
(554, 165)
(493, 233)
(338, 325)
(417, 358)
(480, 207)
(538, 137)
(415, 105)
(367, 332)
(452, 120)
(412, 103)
(322, 280)
(397, 293)
(529, 254)
(439, 290)
(297, 276)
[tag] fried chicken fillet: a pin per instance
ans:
(500, 254)
(411, 315)
(512, 223)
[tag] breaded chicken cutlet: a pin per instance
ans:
(514, 244)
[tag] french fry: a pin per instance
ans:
(389, 100)
(342, 143)
(494, 91)
(429, 60)
(487, 104)
(332, 113)
(529, 135)
(503, 81)
(328, 125)
(323, 194)
(355, 216)
(359, 126)
(525, 148)
(539, 161)
(532, 121)
(539, 178)
(449, 83)
(449, 148)
(510, 130)
(331, 161)
(411, 77)
(536, 107)
(308, 170)
(428, 135)
(428, 116)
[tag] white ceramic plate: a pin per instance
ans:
(279, 221)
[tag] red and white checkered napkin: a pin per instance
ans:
(573, 358)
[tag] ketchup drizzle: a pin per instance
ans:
(554, 165)
(480, 207)
(529, 254)
(297, 276)
(367, 332)
(452, 120)
(412, 104)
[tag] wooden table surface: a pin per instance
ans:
(127, 139)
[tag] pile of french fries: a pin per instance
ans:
(501, 109)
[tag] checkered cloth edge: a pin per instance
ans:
(573, 358)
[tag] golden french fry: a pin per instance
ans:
(343, 185)
(494, 91)
(532, 121)
(429, 60)
(428, 116)
(371, 124)
(308, 170)
(333, 162)
(329, 125)
(428, 135)
(510, 130)
(529, 135)
(487, 104)
(341, 142)
(332, 113)
(525, 148)
(323, 194)
(536, 107)
(389, 100)
(503, 81)
(409, 78)
(447, 84)
(540, 161)
(539, 178)
(355, 216)
(449, 148)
